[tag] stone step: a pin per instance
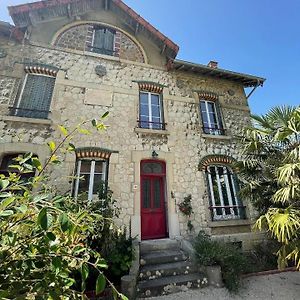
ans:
(170, 284)
(160, 257)
(168, 269)
(157, 245)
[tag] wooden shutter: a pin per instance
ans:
(36, 97)
(103, 41)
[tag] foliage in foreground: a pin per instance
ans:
(271, 176)
(227, 255)
(43, 236)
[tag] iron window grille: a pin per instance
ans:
(223, 188)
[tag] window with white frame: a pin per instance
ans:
(91, 176)
(35, 97)
(103, 40)
(211, 117)
(151, 111)
(222, 186)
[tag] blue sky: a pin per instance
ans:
(261, 37)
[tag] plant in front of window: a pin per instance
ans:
(108, 239)
(186, 209)
(44, 236)
(271, 175)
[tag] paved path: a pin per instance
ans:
(282, 286)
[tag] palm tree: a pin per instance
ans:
(270, 172)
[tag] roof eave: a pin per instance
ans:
(245, 79)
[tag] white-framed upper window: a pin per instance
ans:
(211, 118)
(151, 111)
(103, 40)
(223, 193)
(91, 176)
(35, 97)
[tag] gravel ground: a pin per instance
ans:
(282, 286)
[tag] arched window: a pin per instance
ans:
(222, 189)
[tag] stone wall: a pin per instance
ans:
(80, 38)
(183, 140)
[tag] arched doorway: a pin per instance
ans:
(153, 209)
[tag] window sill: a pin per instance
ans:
(216, 137)
(26, 120)
(229, 223)
(151, 131)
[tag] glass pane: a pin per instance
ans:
(155, 99)
(155, 111)
(156, 124)
(157, 193)
(211, 107)
(144, 98)
(213, 120)
(146, 193)
(144, 110)
(84, 183)
(215, 190)
(85, 166)
(144, 122)
(202, 106)
(231, 183)
(155, 168)
(99, 166)
(98, 183)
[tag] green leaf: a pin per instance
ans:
(105, 115)
(84, 271)
(6, 202)
(40, 197)
(52, 145)
(63, 130)
(123, 297)
(43, 219)
(4, 184)
(36, 163)
(83, 131)
(64, 222)
(6, 213)
(71, 147)
(23, 208)
(94, 122)
(51, 236)
(100, 284)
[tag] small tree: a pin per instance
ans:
(271, 176)
(43, 235)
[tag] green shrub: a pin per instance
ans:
(228, 255)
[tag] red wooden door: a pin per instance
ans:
(153, 215)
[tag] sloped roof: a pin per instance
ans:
(36, 12)
(245, 79)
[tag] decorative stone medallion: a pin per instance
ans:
(3, 53)
(100, 70)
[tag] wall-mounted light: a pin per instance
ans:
(154, 154)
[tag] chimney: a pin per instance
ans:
(213, 64)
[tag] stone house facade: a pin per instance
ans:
(171, 127)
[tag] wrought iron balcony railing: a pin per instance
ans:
(152, 125)
(28, 113)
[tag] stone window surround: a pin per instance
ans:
(223, 160)
(20, 74)
(76, 23)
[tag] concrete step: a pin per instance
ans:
(157, 245)
(170, 284)
(160, 257)
(169, 269)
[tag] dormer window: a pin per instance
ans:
(103, 40)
